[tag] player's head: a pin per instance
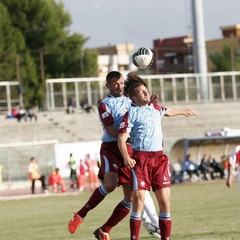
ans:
(139, 94)
(115, 83)
(132, 78)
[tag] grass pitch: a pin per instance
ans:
(200, 211)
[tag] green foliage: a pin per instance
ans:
(30, 30)
(8, 46)
(64, 59)
(32, 87)
(90, 63)
(41, 22)
(227, 60)
(199, 211)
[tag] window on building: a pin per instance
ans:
(160, 64)
(175, 61)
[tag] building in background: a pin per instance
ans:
(231, 38)
(115, 57)
(173, 55)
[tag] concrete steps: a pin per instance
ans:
(82, 126)
(52, 125)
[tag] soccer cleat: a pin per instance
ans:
(153, 230)
(100, 235)
(74, 223)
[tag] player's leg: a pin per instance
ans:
(81, 182)
(108, 172)
(122, 209)
(109, 184)
(33, 186)
(150, 216)
(75, 179)
(42, 179)
(119, 213)
(135, 217)
(150, 209)
(165, 222)
(63, 187)
(71, 178)
(90, 180)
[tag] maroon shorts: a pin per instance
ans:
(151, 170)
(112, 161)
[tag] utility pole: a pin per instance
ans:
(200, 58)
(42, 72)
(18, 78)
(42, 68)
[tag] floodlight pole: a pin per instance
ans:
(200, 58)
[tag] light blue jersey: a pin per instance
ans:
(144, 126)
(111, 111)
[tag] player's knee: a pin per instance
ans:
(110, 186)
(165, 206)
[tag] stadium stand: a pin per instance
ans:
(67, 128)
(82, 126)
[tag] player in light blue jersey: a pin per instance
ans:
(112, 170)
(111, 110)
(150, 167)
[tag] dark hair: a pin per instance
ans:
(113, 74)
(132, 79)
(131, 90)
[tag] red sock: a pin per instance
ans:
(165, 228)
(135, 226)
(120, 212)
(96, 197)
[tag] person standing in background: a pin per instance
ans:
(34, 174)
(234, 162)
(92, 172)
(73, 171)
(225, 164)
(82, 176)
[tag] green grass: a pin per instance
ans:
(206, 211)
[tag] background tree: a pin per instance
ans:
(90, 63)
(15, 62)
(69, 59)
(37, 40)
(227, 60)
(8, 46)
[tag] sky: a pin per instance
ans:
(110, 22)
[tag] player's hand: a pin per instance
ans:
(129, 162)
(189, 113)
(154, 98)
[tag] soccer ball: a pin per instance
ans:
(143, 58)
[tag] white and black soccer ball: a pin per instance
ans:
(143, 58)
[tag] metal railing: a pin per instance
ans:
(176, 88)
(9, 96)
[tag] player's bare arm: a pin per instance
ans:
(174, 112)
(111, 130)
(122, 138)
